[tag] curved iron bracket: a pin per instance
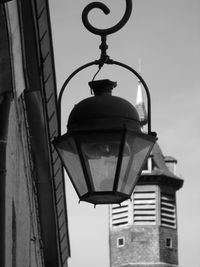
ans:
(113, 62)
(106, 10)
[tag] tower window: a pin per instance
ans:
(121, 242)
(120, 214)
(168, 210)
(168, 242)
(144, 207)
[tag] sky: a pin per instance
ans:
(164, 34)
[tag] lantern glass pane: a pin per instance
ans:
(68, 152)
(133, 160)
(100, 152)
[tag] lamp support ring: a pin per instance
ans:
(110, 62)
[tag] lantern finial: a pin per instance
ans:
(101, 87)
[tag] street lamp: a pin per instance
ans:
(104, 149)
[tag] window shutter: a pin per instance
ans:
(120, 215)
(144, 207)
(168, 210)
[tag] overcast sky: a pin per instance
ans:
(165, 34)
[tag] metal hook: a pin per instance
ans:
(106, 10)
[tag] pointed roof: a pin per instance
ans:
(159, 166)
(140, 106)
(139, 97)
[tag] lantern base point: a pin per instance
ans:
(105, 197)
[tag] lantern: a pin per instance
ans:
(104, 149)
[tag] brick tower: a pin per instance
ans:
(143, 232)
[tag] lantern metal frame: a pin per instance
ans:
(105, 59)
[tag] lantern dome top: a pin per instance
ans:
(104, 109)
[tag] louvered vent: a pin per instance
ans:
(168, 210)
(144, 207)
(120, 214)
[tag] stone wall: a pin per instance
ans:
(141, 245)
(168, 254)
(23, 244)
(144, 246)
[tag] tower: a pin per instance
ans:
(143, 232)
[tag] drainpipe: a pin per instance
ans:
(5, 101)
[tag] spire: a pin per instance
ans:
(140, 106)
(139, 97)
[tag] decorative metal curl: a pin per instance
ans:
(106, 10)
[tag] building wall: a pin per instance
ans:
(147, 226)
(33, 219)
(168, 254)
(138, 239)
(23, 246)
